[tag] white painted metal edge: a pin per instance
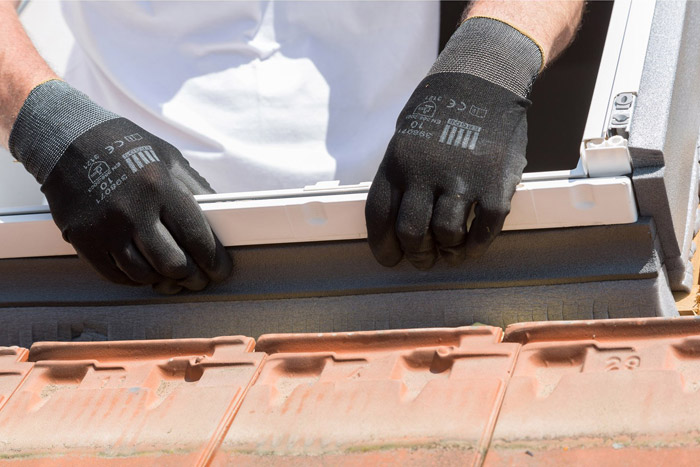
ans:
(633, 52)
(622, 61)
(596, 122)
(326, 217)
(620, 72)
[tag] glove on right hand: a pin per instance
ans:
(441, 160)
(459, 141)
(120, 195)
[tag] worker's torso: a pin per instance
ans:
(258, 95)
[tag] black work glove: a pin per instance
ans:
(459, 141)
(120, 195)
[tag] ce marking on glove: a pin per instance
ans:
(461, 106)
(453, 103)
(120, 142)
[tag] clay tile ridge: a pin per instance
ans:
(601, 330)
(134, 350)
(368, 341)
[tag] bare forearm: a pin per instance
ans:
(553, 24)
(21, 67)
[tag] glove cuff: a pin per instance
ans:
(51, 118)
(492, 50)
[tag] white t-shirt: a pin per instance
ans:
(262, 94)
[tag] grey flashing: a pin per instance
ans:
(664, 132)
(418, 309)
(516, 259)
(578, 273)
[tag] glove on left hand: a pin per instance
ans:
(120, 195)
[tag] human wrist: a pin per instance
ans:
(492, 50)
(21, 68)
(16, 89)
(52, 116)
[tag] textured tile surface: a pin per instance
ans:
(598, 388)
(421, 395)
(13, 370)
(151, 401)
(608, 392)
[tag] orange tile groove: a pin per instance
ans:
(370, 396)
(13, 370)
(610, 392)
(126, 402)
(623, 392)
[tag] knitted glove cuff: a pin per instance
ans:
(51, 118)
(492, 50)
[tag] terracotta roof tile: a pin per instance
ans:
(612, 392)
(121, 400)
(602, 330)
(424, 395)
(592, 388)
(13, 370)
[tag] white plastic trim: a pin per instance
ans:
(622, 61)
(606, 157)
(328, 214)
